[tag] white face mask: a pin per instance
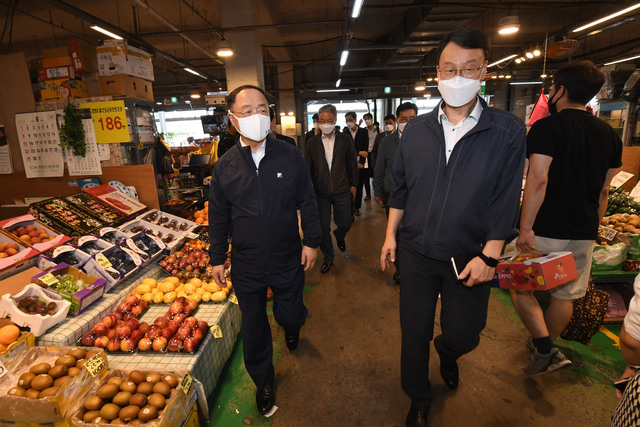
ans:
(350, 125)
(388, 128)
(255, 127)
(458, 91)
(327, 128)
(401, 126)
(368, 122)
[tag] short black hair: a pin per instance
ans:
(406, 106)
(231, 98)
(352, 114)
(367, 115)
(390, 117)
(272, 113)
(315, 117)
(468, 38)
(581, 79)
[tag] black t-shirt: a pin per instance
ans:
(583, 148)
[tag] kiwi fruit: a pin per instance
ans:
(100, 420)
(157, 400)
(58, 371)
(171, 380)
(59, 382)
(77, 353)
(128, 386)
(73, 371)
(162, 388)
(32, 393)
(128, 413)
(67, 361)
(40, 368)
(153, 378)
(109, 411)
(136, 422)
(115, 380)
(107, 391)
(136, 377)
(89, 416)
(117, 421)
(93, 403)
(16, 391)
(122, 398)
(25, 380)
(41, 382)
(80, 363)
(138, 399)
(51, 391)
(145, 388)
(148, 413)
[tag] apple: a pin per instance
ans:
(186, 310)
(167, 333)
(142, 304)
(203, 325)
(175, 345)
(101, 342)
(127, 345)
(136, 310)
(144, 344)
(143, 327)
(174, 324)
(191, 345)
(193, 304)
(111, 333)
(198, 334)
(175, 307)
(114, 345)
(159, 344)
(100, 329)
(154, 332)
(183, 333)
(88, 339)
(191, 322)
(136, 335)
(110, 321)
(129, 316)
(117, 315)
(123, 331)
(180, 318)
(133, 323)
(124, 308)
(182, 300)
(162, 322)
(131, 300)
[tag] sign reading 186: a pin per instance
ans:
(109, 121)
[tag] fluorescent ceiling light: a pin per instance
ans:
(536, 52)
(189, 70)
(502, 60)
(608, 17)
(623, 60)
(508, 25)
(518, 60)
(524, 83)
(338, 82)
(343, 57)
(357, 5)
(331, 90)
(290, 113)
(106, 32)
(508, 76)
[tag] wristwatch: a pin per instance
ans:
(491, 262)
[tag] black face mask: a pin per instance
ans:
(553, 104)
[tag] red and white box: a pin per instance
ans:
(116, 199)
(12, 225)
(536, 272)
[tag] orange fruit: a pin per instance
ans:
(12, 245)
(11, 251)
(9, 334)
(3, 255)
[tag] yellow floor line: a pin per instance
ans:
(614, 337)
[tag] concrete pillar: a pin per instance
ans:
(286, 95)
(246, 65)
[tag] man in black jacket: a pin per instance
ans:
(360, 139)
(457, 182)
(256, 189)
(274, 134)
(334, 172)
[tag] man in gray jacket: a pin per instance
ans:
(334, 171)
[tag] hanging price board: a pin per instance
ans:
(109, 121)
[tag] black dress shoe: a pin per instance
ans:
(449, 373)
(325, 268)
(266, 398)
(357, 212)
(341, 245)
(417, 417)
(366, 199)
(291, 339)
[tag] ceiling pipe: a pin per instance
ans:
(81, 14)
(241, 28)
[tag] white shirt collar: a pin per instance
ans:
(475, 113)
(262, 147)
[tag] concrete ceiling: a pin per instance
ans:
(392, 43)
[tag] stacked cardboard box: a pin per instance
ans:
(64, 69)
(124, 71)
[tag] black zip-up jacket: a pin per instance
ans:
(454, 208)
(344, 167)
(258, 209)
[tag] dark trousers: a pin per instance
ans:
(363, 181)
(463, 316)
(288, 310)
(341, 204)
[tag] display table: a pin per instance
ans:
(205, 365)
(613, 276)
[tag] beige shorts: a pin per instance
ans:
(632, 319)
(582, 253)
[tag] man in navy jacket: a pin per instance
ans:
(257, 188)
(457, 182)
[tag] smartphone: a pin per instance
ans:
(459, 262)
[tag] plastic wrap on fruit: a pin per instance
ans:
(121, 262)
(168, 239)
(111, 237)
(136, 229)
(68, 258)
(151, 216)
(146, 244)
(91, 248)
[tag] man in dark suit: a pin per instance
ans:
(313, 131)
(334, 173)
(273, 134)
(360, 139)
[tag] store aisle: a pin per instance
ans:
(346, 371)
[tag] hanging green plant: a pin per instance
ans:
(72, 131)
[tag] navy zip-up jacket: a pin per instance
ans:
(258, 209)
(454, 208)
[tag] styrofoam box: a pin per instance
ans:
(36, 322)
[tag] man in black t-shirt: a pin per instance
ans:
(572, 159)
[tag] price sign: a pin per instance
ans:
(607, 233)
(109, 121)
(49, 279)
(620, 178)
(94, 365)
(635, 193)
(3, 370)
(186, 383)
(217, 331)
(233, 298)
(103, 261)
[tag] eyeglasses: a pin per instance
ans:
(466, 72)
(260, 110)
(322, 122)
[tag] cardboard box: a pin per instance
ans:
(60, 61)
(81, 299)
(114, 198)
(24, 257)
(13, 224)
(25, 341)
(118, 57)
(66, 72)
(536, 272)
(63, 89)
(123, 86)
(55, 52)
(83, 56)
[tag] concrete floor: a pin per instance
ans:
(346, 370)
